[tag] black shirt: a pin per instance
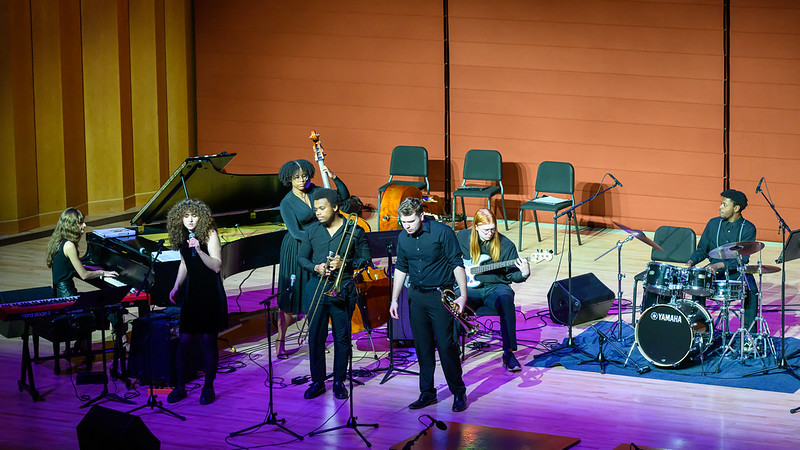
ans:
(318, 243)
(719, 232)
(430, 256)
(508, 252)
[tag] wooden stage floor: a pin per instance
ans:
(603, 411)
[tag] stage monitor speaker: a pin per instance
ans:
(103, 428)
(159, 332)
(590, 300)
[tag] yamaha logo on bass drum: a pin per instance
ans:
(661, 317)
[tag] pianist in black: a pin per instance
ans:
(298, 214)
(62, 254)
(198, 289)
(65, 265)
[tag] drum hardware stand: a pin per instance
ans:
(569, 346)
(272, 416)
(762, 333)
(742, 332)
(352, 421)
(152, 401)
(790, 252)
(620, 276)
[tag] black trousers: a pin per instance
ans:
(501, 298)
(336, 310)
(432, 326)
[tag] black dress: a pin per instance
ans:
(63, 274)
(297, 216)
(205, 306)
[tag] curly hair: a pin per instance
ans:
(483, 217)
(737, 197)
(290, 168)
(178, 234)
(68, 228)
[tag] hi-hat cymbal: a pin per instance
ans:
(753, 268)
(638, 234)
(735, 249)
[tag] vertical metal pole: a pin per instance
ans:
(447, 172)
(726, 138)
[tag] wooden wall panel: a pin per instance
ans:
(632, 87)
(91, 118)
(765, 109)
(101, 75)
(366, 75)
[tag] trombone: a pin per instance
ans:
(335, 289)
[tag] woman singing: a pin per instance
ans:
(198, 288)
(298, 213)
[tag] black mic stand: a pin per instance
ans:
(272, 417)
(152, 401)
(569, 346)
(389, 326)
(352, 421)
(787, 254)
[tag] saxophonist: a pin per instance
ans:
(331, 247)
(429, 255)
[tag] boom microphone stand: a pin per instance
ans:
(152, 402)
(272, 417)
(569, 346)
(788, 253)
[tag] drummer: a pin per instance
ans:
(729, 227)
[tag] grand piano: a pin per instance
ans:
(245, 207)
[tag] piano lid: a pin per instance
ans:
(202, 177)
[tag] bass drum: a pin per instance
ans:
(667, 335)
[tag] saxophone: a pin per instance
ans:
(468, 322)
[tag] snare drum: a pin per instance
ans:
(669, 334)
(727, 290)
(661, 278)
(697, 281)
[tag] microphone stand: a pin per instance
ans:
(569, 346)
(390, 326)
(152, 402)
(352, 421)
(782, 365)
(272, 416)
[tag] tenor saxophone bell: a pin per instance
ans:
(468, 322)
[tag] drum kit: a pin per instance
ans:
(675, 325)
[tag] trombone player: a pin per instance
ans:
(331, 250)
(429, 255)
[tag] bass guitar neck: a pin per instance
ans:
(483, 266)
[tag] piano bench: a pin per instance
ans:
(64, 328)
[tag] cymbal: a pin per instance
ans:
(638, 234)
(734, 249)
(753, 268)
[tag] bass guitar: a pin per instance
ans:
(476, 269)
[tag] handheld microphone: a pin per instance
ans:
(758, 188)
(615, 179)
(439, 424)
(292, 279)
(191, 235)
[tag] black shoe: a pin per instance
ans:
(422, 402)
(207, 396)
(510, 362)
(314, 390)
(459, 402)
(177, 394)
(339, 391)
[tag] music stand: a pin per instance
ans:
(98, 301)
(381, 244)
(790, 252)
